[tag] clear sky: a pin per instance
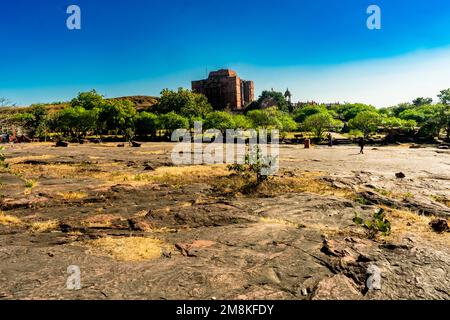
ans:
(320, 49)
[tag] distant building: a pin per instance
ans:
(225, 90)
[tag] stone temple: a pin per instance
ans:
(225, 90)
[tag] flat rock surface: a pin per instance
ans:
(293, 244)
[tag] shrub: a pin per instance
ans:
(255, 165)
(378, 224)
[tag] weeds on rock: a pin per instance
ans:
(255, 165)
(30, 184)
(3, 164)
(378, 224)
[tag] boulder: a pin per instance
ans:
(400, 175)
(63, 144)
(439, 225)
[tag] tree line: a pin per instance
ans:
(91, 114)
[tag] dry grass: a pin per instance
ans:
(48, 170)
(110, 173)
(176, 176)
(8, 220)
(128, 249)
(72, 195)
(62, 170)
(40, 226)
(32, 158)
(141, 214)
(276, 185)
(332, 231)
(406, 223)
(155, 152)
(281, 222)
(43, 226)
(310, 182)
(100, 221)
(441, 199)
(188, 174)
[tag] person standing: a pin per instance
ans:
(361, 143)
(330, 140)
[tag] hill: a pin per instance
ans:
(141, 103)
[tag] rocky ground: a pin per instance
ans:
(140, 228)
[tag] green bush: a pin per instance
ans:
(377, 224)
(254, 166)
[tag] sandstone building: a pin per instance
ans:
(225, 90)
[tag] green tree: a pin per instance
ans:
(242, 122)
(35, 120)
(395, 111)
(319, 123)
(414, 114)
(183, 102)
(287, 124)
(391, 124)
(269, 99)
(119, 117)
(367, 122)
(193, 120)
(146, 123)
(302, 113)
(422, 101)
(264, 119)
(88, 100)
(172, 121)
(39, 125)
(444, 119)
(422, 113)
(348, 111)
(219, 120)
(444, 96)
(75, 121)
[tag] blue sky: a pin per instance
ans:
(320, 49)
